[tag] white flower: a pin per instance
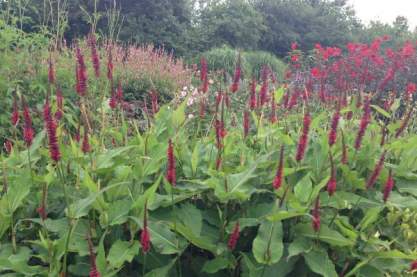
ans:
(190, 116)
(184, 88)
(183, 93)
(195, 93)
(190, 101)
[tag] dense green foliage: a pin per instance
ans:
(189, 27)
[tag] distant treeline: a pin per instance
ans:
(189, 27)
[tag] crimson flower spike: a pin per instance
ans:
(171, 173)
(404, 123)
(154, 101)
(15, 113)
(366, 119)
(333, 126)
(86, 148)
(316, 215)
(113, 99)
(246, 124)
(51, 126)
(389, 185)
(377, 170)
(110, 65)
(303, 141)
(94, 54)
(81, 73)
(42, 208)
(277, 183)
(413, 266)
(145, 238)
(93, 265)
(28, 132)
(331, 184)
(234, 237)
(252, 99)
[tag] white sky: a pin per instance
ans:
(386, 10)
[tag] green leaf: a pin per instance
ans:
(319, 262)
(163, 240)
(215, 265)
(202, 242)
(282, 215)
(178, 116)
(298, 246)
(162, 271)
(330, 236)
(118, 211)
(121, 252)
(303, 189)
(267, 247)
(381, 111)
(191, 217)
(105, 160)
(370, 217)
(195, 157)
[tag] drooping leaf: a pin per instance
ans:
(267, 247)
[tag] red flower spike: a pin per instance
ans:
(411, 88)
(15, 113)
(8, 146)
(252, 99)
(316, 215)
(51, 131)
(93, 265)
(28, 132)
(113, 100)
(234, 237)
(366, 119)
(171, 171)
(332, 183)
(246, 124)
(413, 266)
(154, 101)
(110, 65)
(94, 54)
(236, 77)
(203, 69)
(86, 148)
(303, 141)
(277, 183)
(389, 185)
(377, 171)
(333, 127)
(145, 238)
(81, 73)
(404, 123)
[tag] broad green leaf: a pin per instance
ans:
(325, 234)
(164, 240)
(267, 247)
(215, 265)
(282, 215)
(162, 271)
(200, 241)
(381, 111)
(298, 246)
(370, 217)
(118, 211)
(105, 160)
(191, 217)
(178, 116)
(121, 252)
(318, 261)
(303, 189)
